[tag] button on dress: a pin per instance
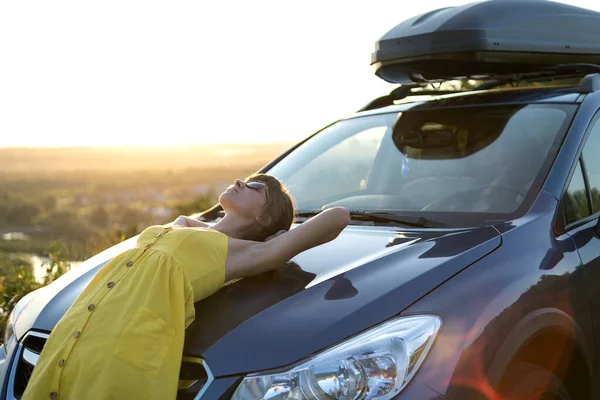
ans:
(123, 336)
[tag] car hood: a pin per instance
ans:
(323, 295)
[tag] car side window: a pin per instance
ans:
(575, 199)
(591, 159)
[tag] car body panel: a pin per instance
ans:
(314, 319)
(534, 283)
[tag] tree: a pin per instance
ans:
(48, 203)
(59, 262)
(65, 225)
(131, 218)
(99, 217)
(23, 213)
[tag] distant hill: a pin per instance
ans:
(136, 158)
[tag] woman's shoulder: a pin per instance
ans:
(151, 231)
(201, 252)
(205, 230)
(202, 237)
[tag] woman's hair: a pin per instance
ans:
(280, 206)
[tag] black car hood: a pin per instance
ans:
(319, 298)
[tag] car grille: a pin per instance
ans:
(27, 354)
(194, 376)
(24, 371)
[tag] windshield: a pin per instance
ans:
(462, 166)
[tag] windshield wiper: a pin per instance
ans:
(307, 213)
(390, 217)
(302, 216)
(383, 217)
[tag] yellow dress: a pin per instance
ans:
(123, 336)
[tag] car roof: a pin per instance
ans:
(526, 95)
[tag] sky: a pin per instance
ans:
(125, 72)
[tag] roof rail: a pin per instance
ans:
(552, 72)
(402, 92)
(590, 83)
(525, 78)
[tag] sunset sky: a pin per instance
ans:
(121, 72)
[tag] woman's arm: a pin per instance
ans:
(183, 220)
(249, 258)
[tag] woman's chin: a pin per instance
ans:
(225, 199)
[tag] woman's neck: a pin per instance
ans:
(235, 227)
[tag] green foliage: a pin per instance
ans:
(596, 198)
(18, 211)
(48, 203)
(99, 217)
(7, 263)
(59, 262)
(582, 203)
(580, 208)
(16, 280)
(65, 225)
(131, 217)
(35, 246)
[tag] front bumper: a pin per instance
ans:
(195, 375)
(221, 388)
(3, 364)
(9, 369)
(6, 358)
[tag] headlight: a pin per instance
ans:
(9, 330)
(376, 364)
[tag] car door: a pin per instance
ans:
(581, 208)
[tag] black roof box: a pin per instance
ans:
(488, 38)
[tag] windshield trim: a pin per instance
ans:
(538, 183)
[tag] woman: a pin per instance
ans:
(123, 336)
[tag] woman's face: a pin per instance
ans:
(243, 199)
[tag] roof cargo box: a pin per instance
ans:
(489, 38)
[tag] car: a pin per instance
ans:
(471, 265)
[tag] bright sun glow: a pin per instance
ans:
(79, 73)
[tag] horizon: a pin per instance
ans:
(36, 162)
(142, 146)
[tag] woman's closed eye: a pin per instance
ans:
(254, 185)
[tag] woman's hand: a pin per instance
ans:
(328, 224)
(180, 221)
(189, 222)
